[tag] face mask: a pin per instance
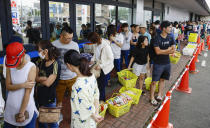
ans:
(41, 56)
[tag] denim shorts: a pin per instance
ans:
(161, 72)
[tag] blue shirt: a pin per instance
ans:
(147, 35)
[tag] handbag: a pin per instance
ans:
(49, 115)
(93, 70)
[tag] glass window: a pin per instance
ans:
(126, 1)
(157, 15)
(148, 16)
(59, 17)
(124, 15)
(104, 15)
(23, 11)
(1, 44)
(83, 21)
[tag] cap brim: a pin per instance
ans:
(13, 63)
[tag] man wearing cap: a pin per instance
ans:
(143, 32)
(20, 108)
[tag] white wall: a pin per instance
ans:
(176, 14)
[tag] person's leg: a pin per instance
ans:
(156, 74)
(101, 85)
(117, 64)
(32, 124)
(141, 80)
(127, 52)
(165, 76)
(161, 87)
(60, 90)
(7, 125)
(122, 56)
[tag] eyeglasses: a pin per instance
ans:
(66, 38)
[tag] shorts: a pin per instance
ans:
(63, 85)
(139, 69)
(161, 72)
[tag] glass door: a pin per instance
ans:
(59, 16)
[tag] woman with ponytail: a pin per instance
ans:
(85, 93)
(48, 73)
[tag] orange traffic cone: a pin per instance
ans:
(203, 46)
(209, 46)
(199, 40)
(184, 85)
(192, 68)
(196, 57)
(208, 38)
(199, 49)
(163, 117)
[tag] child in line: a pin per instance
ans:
(140, 58)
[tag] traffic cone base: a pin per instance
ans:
(194, 72)
(169, 126)
(189, 90)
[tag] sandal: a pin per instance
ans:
(154, 102)
(159, 98)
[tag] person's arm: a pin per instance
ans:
(14, 87)
(117, 43)
(31, 77)
(38, 78)
(132, 43)
(158, 51)
(50, 80)
(131, 61)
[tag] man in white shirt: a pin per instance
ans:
(125, 51)
(67, 78)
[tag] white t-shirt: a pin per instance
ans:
(126, 41)
(115, 48)
(66, 74)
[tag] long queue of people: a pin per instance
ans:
(62, 69)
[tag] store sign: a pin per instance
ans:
(15, 13)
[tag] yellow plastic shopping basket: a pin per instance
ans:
(148, 81)
(118, 111)
(136, 97)
(175, 59)
(132, 78)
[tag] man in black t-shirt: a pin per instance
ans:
(163, 46)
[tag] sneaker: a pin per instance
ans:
(159, 98)
(154, 102)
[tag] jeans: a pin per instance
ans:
(102, 83)
(125, 54)
(117, 64)
(32, 124)
(50, 125)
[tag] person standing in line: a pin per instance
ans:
(67, 77)
(85, 93)
(102, 54)
(135, 36)
(125, 50)
(20, 108)
(140, 57)
(48, 72)
(163, 45)
(116, 40)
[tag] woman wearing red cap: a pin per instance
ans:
(20, 80)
